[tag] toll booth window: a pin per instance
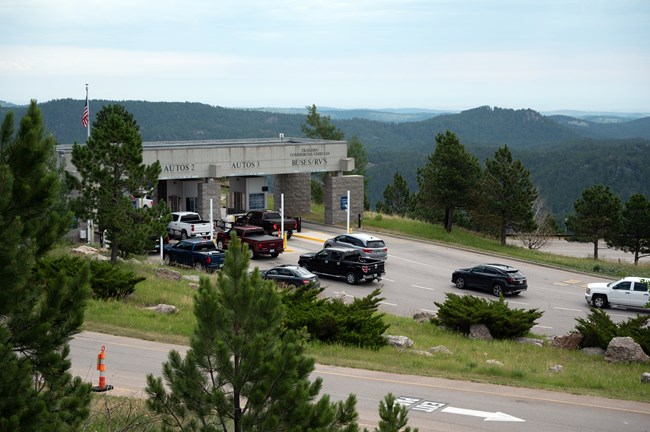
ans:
(256, 201)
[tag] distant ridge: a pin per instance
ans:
(564, 154)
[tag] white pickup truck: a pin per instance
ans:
(627, 292)
(188, 224)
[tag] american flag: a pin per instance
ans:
(84, 117)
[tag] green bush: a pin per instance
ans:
(459, 313)
(598, 330)
(333, 321)
(107, 281)
(111, 281)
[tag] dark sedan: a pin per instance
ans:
(291, 275)
(499, 279)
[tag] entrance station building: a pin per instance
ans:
(193, 173)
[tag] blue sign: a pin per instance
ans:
(344, 203)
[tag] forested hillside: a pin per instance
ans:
(564, 154)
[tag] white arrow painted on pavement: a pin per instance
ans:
(488, 416)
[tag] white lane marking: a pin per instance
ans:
(487, 416)
(520, 303)
(567, 309)
(389, 304)
(389, 280)
(426, 288)
(544, 327)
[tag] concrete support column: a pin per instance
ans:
(297, 193)
(209, 190)
(337, 186)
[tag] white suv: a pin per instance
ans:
(627, 292)
(369, 246)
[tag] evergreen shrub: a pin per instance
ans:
(107, 281)
(333, 321)
(459, 313)
(598, 330)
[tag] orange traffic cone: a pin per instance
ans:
(101, 367)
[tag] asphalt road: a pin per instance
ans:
(434, 404)
(418, 274)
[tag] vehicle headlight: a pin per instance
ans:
(588, 291)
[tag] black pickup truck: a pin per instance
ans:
(270, 221)
(194, 253)
(343, 263)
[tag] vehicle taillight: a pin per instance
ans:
(510, 280)
(208, 260)
(367, 250)
(306, 281)
(275, 227)
(192, 228)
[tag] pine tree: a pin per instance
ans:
(635, 231)
(450, 177)
(507, 195)
(244, 371)
(398, 198)
(317, 126)
(597, 215)
(393, 417)
(112, 173)
(39, 310)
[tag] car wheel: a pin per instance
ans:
(351, 278)
(167, 260)
(184, 235)
(220, 245)
(497, 290)
(599, 301)
(289, 234)
(251, 253)
(275, 254)
(460, 283)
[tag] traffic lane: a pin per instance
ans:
(418, 274)
(440, 404)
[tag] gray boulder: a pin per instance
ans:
(645, 378)
(479, 331)
(530, 341)
(424, 317)
(440, 349)
(399, 341)
(625, 350)
(569, 341)
(164, 308)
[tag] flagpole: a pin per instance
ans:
(88, 127)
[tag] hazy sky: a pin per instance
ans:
(589, 55)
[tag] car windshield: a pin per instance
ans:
(376, 244)
(516, 274)
(272, 215)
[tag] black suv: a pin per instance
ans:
(499, 279)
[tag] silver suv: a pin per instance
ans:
(369, 246)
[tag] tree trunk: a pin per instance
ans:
(596, 249)
(449, 216)
(503, 235)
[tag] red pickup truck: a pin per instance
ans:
(259, 243)
(270, 221)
